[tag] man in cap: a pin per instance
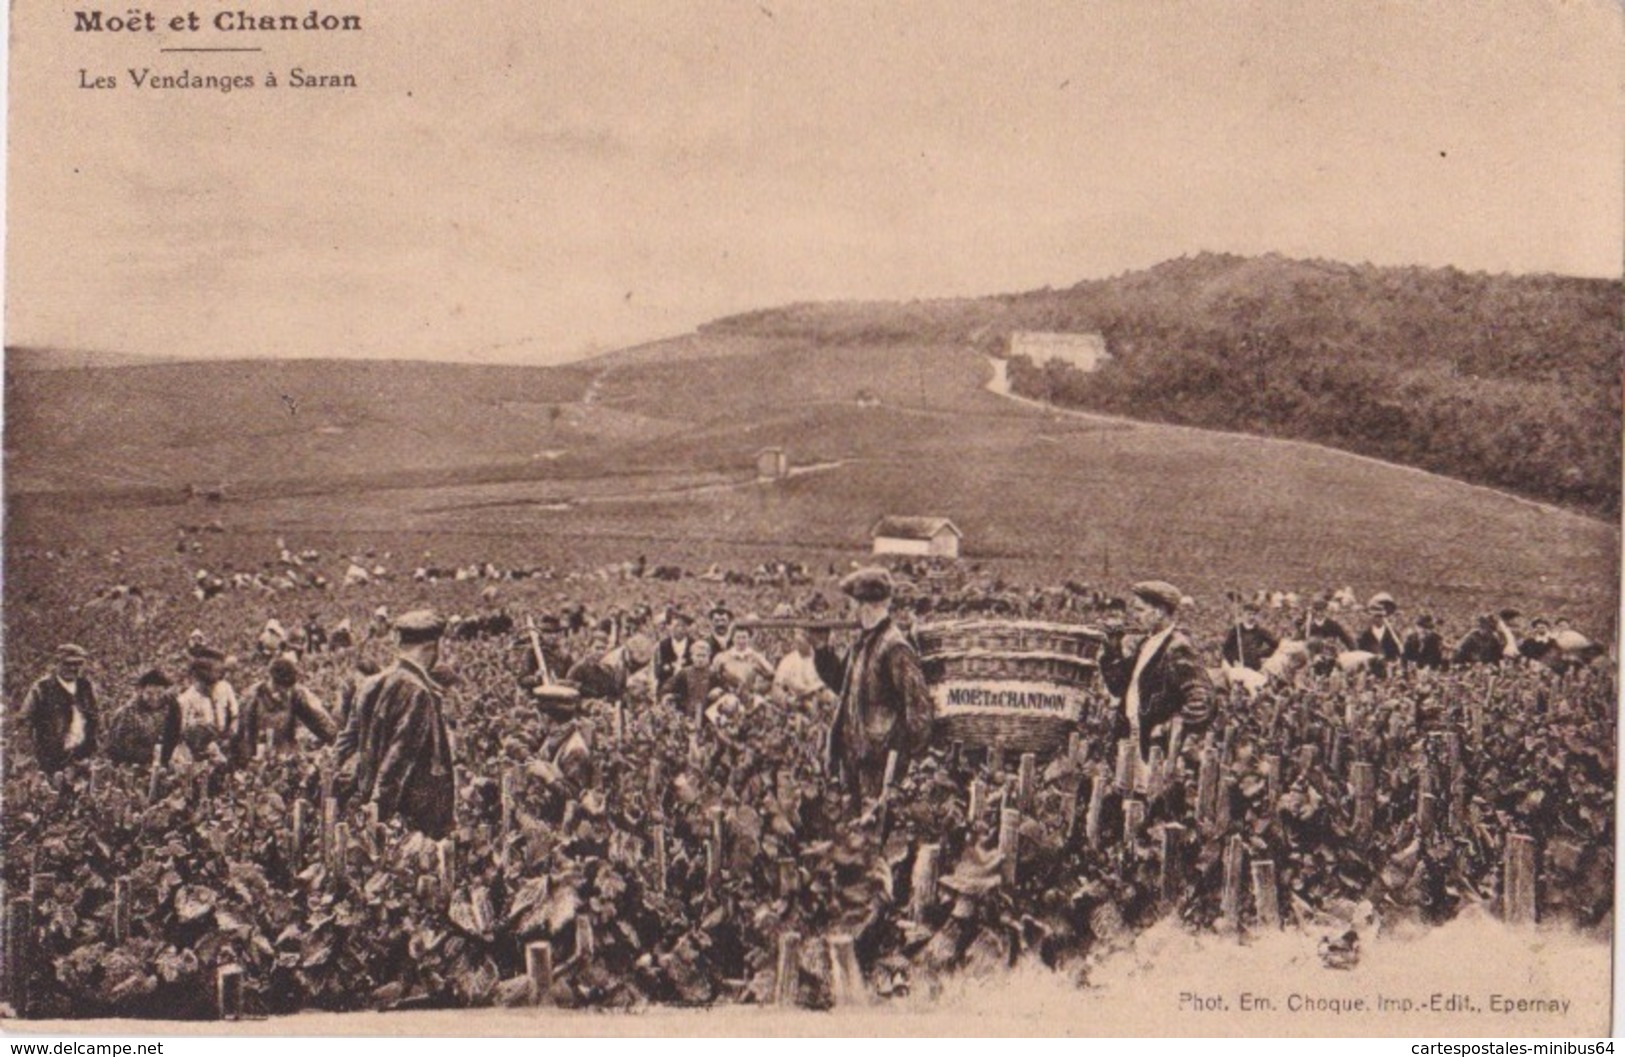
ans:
(1248, 644)
(1540, 647)
(885, 704)
(722, 623)
(1482, 645)
(1323, 626)
(60, 711)
(672, 655)
(1424, 646)
(1161, 676)
(403, 755)
(149, 720)
(1379, 638)
(208, 704)
(275, 708)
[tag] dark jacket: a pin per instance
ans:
(1248, 647)
(48, 713)
(264, 709)
(1424, 649)
(669, 660)
(885, 707)
(689, 690)
(1330, 629)
(1389, 648)
(1480, 646)
(403, 752)
(830, 664)
(145, 721)
(1173, 683)
(1543, 651)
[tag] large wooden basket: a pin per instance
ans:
(1020, 686)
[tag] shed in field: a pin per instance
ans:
(771, 464)
(933, 537)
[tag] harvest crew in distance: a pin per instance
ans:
(403, 751)
(885, 704)
(1162, 676)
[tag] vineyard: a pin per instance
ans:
(626, 856)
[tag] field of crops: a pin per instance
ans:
(624, 856)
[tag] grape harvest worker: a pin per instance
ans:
(402, 747)
(209, 705)
(275, 708)
(60, 711)
(149, 720)
(1162, 676)
(885, 704)
(1248, 644)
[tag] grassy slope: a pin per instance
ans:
(1058, 495)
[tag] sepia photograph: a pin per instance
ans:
(738, 518)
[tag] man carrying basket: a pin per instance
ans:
(885, 704)
(1163, 676)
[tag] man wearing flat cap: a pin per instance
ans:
(60, 712)
(1248, 643)
(1424, 646)
(1380, 638)
(149, 720)
(1162, 676)
(403, 760)
(722, 630)
(885, 704)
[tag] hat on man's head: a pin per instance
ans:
(1425, 620)
(1318, 604)
(72, 651)
(1383, 601)
(1540, 622)
(284, 670)
(419, 626)
(720, 610)
(1159, 593)
(1510, 615)
(153, 677)
(871, 584)
(207, 655)
(1249, 607)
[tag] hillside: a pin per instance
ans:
(646, 453)
(1512, 381)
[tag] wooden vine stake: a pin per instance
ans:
(1173, 865)
(1207, 790)
(923, 883)
(1027, 782)
(657, 855)
(1266, 896)
(978, 802)
(1010, 842)
(1097, 807)
(19, 967)
(341, 850)
(1133, 820)
(1230, 901)
(229, 992)
(586, 942)
(301, 823)
(787, 983)
(154, 778)
(446, 865)
(1272, 784)
(845, 976)
(1364, 782)
(1127, 755)
(1518, 905)
(539, 967)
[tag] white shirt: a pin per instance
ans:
(797, 676)
(1131, 696)
(76, 718)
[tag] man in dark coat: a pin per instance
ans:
(1424, 647)
(274, 709)
(1248, 644)
(1159, 677)
(1379, 638)
(722, 630)
(60, 712)
(1540, 647)
(149, 720)
(1482, 645)
(1327, 628)
(402, 748)
(672, 655)
(885, 704)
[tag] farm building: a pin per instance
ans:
(771, 464)
(1086, 352)
(935, 537)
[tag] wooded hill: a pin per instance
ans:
(1510, 381)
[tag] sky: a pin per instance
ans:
(532, 182)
